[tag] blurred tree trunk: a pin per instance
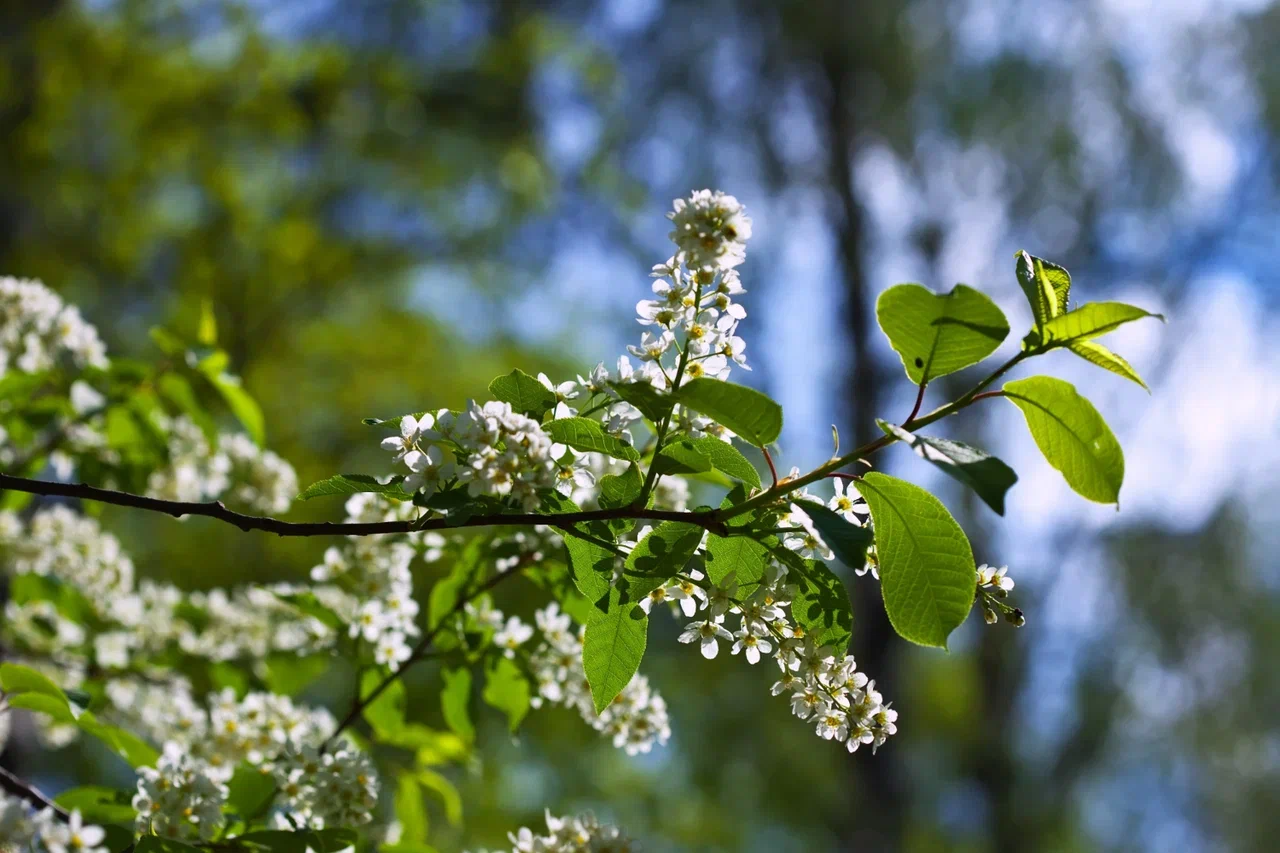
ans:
(876, 816)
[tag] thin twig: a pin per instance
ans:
(919, 401)
(216, 509)
(25, 790)
(772, 470)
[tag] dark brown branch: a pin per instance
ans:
(23, 790)
(215, 509)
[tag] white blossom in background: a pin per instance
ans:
(335, 788)
(178, 798)
(25, 830)
(259, 479)
(39, 331)
(581, 834)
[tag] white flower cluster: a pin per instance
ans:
(369, 583)
(994, 585)
(635, 721)
(581, 834)
(178, 799)
(230, 730)
(491, 449)
(23, 830)
(238, 470)
(319, 789)
(711, 229)
(826, 686)
(245, 623)
(38, 330)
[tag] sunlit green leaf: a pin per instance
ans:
(587, 435)
(1072, 436)
(652, 403)
(745, 411)
(821, 606)
(507, 689)
(1046, 285)
(846, 540)
(613, 648)
(936, 334)
(927, 573)
(351, 484)
(1095, 353)
(455, 702)
(525, 393)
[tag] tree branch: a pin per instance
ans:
(24, 790)
(215, 509)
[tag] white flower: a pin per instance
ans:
(429, 469)
(392, 650)
(990, 577)
(711, 229)
(706, 633)
(512, 636)
(411, 430)
(752, 644)
(688, 593)
(848, 503)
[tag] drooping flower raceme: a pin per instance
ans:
(581, 834)
(25, 830)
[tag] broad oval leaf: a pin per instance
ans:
(613, 647)
(926, 564)
(682, 457)
(525, 393)
(591, 568)
(1095, 353)
(989, 478)
(1091, 320)
(351, 484)
(507, 689)
(743, 410)
(936, 334)
(728, 460)
(821, 606)
(588, 435)
(663, 552)
(1072, 436)
(740, 556)
(455, 702)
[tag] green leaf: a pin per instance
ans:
(847, 541)
(591, 567)
(289, 674)
(455, 700)
(351, 484)
(936, 334)
(178, 391)
(588, 435)
(30, 689)
(208, 331)
(1072, 436)
(1047, 286)
(448, 794)
(985, 474)
(618, 490)
(613, 648)
(133, 749)
(746, 411)
(250, 789)
(386, 713)
(507, 689)
(97, 804)
(1089, 321)
(682, 457)
(728, 459)
(927, 573)
(1095, 353)
(652, 403)
(242, 405)
(741, 556)
(411, 811)
(524, 393)
(821, 606)
(664, 551)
